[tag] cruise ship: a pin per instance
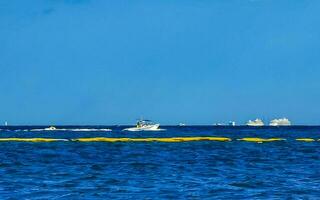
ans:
(257, 122)
(280, 122)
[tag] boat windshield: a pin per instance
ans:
(142, 123)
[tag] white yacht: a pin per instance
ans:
(280, 122)
(144, 125)
(257, 122)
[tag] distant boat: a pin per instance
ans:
(182, 124)
(280, 122)
(218, 124)
(257, 122)
(51, 128)
(231, 123)
(144, 125)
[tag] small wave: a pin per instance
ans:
(89, 129)
(45, 129)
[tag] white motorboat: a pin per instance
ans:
(145, 125)
(280, 122)
(257, 122)
(218, 124)
(51, 128)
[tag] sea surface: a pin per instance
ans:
(288, 169)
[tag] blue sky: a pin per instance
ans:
(198, 62)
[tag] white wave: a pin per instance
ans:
(90, 129)
(45, 129)
(24, 130)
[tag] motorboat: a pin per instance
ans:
(218, 124)
(280, 122)
(51, 128)
(257, 122)
(144, 125)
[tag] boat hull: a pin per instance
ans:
(154, 127)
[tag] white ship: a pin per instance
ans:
(280, 122)
(257, 122)
(144, 125)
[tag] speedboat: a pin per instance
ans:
(257, 122)
(218, 124)
(51, 128)
(144, 125)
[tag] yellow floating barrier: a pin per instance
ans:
(173, 139)
(305, 139)
(170, 139)
(32, 140)
(261, 140)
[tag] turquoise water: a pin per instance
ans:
(158, 170)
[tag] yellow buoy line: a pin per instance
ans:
(159, 139)
(173, 139)
(261, 140)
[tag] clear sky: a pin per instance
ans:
(191, 61)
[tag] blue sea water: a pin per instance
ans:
(154, 170)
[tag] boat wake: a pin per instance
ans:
(143, 130)
(66, 129)
(89, 129)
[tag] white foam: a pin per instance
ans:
(65, 129)
(75, 129)
(45, 129)
(90, 129)
(141, 130)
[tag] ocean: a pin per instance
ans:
(287, 167)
